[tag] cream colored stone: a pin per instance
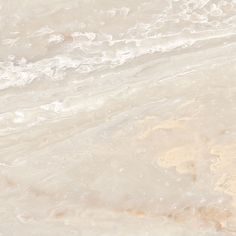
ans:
(117, 118)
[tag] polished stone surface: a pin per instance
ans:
(118, 118)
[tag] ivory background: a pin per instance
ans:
(117, 117)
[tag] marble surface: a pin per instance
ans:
(117, 118)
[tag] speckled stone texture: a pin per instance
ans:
(117, 117)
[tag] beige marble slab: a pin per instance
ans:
(117, 117)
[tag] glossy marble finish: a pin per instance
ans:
(118, 118)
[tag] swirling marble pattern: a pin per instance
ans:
(118, 117)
